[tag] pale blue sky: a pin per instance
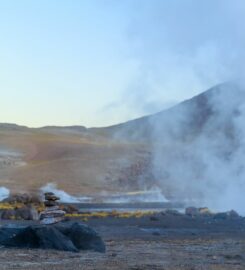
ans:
(97, 63)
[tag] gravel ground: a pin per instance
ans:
(163, 242)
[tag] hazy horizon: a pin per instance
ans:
(99, 63)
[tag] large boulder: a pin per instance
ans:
(25, 212)
(233, 214)
(192, 211)
(8, 214)
(69, 208)
(171, 212)
(227, 215)
(40, 237)
(82, 236)
(23, 199)
(204, 211)
(7, 233)
(67, 236)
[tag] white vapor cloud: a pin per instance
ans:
(180, 48)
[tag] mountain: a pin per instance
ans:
(153, 150)
(186, 119)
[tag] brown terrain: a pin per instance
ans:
(118, 158)
(77, 161)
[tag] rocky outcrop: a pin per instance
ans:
(227, 215)
(21, 206)
(23, 199)
(69, 208)
(26, 212)
(67, 236)
(204, 211)
(194, 211)
(28, 206)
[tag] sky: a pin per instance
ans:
(101, 62)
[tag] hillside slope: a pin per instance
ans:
(187, 118)
(168, 149)
(76, 161)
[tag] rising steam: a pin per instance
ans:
(199, 152)
(64, 196)
(4, 193)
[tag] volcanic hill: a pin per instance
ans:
(120, 157)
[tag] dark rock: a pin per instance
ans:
(227, 215)
(40, 237)
(48, 193)
(156, 233)
(7, 233)
(192, 211)
(23, 198)
(22, 213)
(67, 236)
(26, 213)
(233, 257)
(51, 238)
(233, 214)
(69, 209)
(153, 218)
(222, 216)
(8, 214)
(82, 236)
(51, 198)
(50, 203)
(172, 212)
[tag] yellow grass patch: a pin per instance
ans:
(114, 214)
(9, 206)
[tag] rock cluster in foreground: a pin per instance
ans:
(67, 236)
(204, 211)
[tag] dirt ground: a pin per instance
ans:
(153, 242)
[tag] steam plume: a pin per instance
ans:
(64, 196)
(199, 153)
(4, 193)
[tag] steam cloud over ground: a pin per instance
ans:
(199, 149)
(4, 193)
(64, 196)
